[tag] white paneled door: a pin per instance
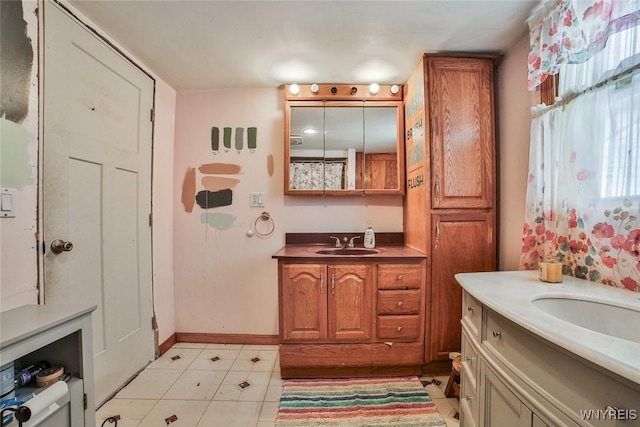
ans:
(97, 132)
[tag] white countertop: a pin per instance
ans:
(510, 293)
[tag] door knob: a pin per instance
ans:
(58, 246)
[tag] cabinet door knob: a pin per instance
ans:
(399, 328)
(468, 398)
(469, 358)
(497, 334)
(470, 308)
(400, 303)
(400, 277)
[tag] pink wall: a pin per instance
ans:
(19, 147)
(514, 122)
(225, 281)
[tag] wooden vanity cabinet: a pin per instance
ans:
(327, 302)
(450, 203)
(351, 318)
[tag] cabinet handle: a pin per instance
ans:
(400, 303)
(468, 398)
(322, 283)
(437, 189)
(470, 308)
(469, 358)
(399, 328)
(437, 233)
(400, 277)
(497, 334)
(333, 284)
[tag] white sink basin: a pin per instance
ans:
(608, 319)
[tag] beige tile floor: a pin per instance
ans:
(202, 392)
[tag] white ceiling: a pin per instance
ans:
(207, 44)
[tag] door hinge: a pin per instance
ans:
(150, 220)
(152, 115)
(84, 398)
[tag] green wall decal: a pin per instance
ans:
(239, 138)
(219, 221)
(226, 137)
(251, 138)
(215, 139)
(15, 167)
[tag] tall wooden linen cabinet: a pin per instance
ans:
(450, 200)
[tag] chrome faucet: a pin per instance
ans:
(338, 244)
(351, 242)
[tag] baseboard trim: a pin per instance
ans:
(167, 344)
(208, 338)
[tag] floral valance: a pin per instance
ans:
(572, 31)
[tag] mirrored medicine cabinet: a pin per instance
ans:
(340, 143)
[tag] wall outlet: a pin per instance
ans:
(256, 200)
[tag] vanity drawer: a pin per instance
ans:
(469, 404)
(399, 301)
(399, 276)
(469, 363)
(399, 327)
(472, 314)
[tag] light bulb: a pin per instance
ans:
(394, 89)
(374, 88)
(294, 89)
(315, 88)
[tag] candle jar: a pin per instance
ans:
(550, 269)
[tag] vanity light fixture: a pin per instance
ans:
(315, 88)
(374, 88)
(394, 89)
(310, 131)
(294, 89)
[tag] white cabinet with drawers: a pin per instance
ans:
(61, 335)
(513, 376)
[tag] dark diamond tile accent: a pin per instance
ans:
(215, 359)
(171, 419)
(457, 416)
(436, 382)
(244, 384)
(176, 357)
(255, 359)
(425, 383)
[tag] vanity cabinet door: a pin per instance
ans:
(501, 407)
(463, 242)
(350, 302)
(462, 132)
(303, 302)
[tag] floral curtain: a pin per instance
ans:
(572, 31)
(583, 192)
(315, 176)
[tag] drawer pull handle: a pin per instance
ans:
(497, 334)
(399, 328)
(400, 303)
(400, 277)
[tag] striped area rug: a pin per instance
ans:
(398, 401)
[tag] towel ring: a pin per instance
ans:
(264, 216)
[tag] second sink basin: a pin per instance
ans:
(613, 320)
(347, 251)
